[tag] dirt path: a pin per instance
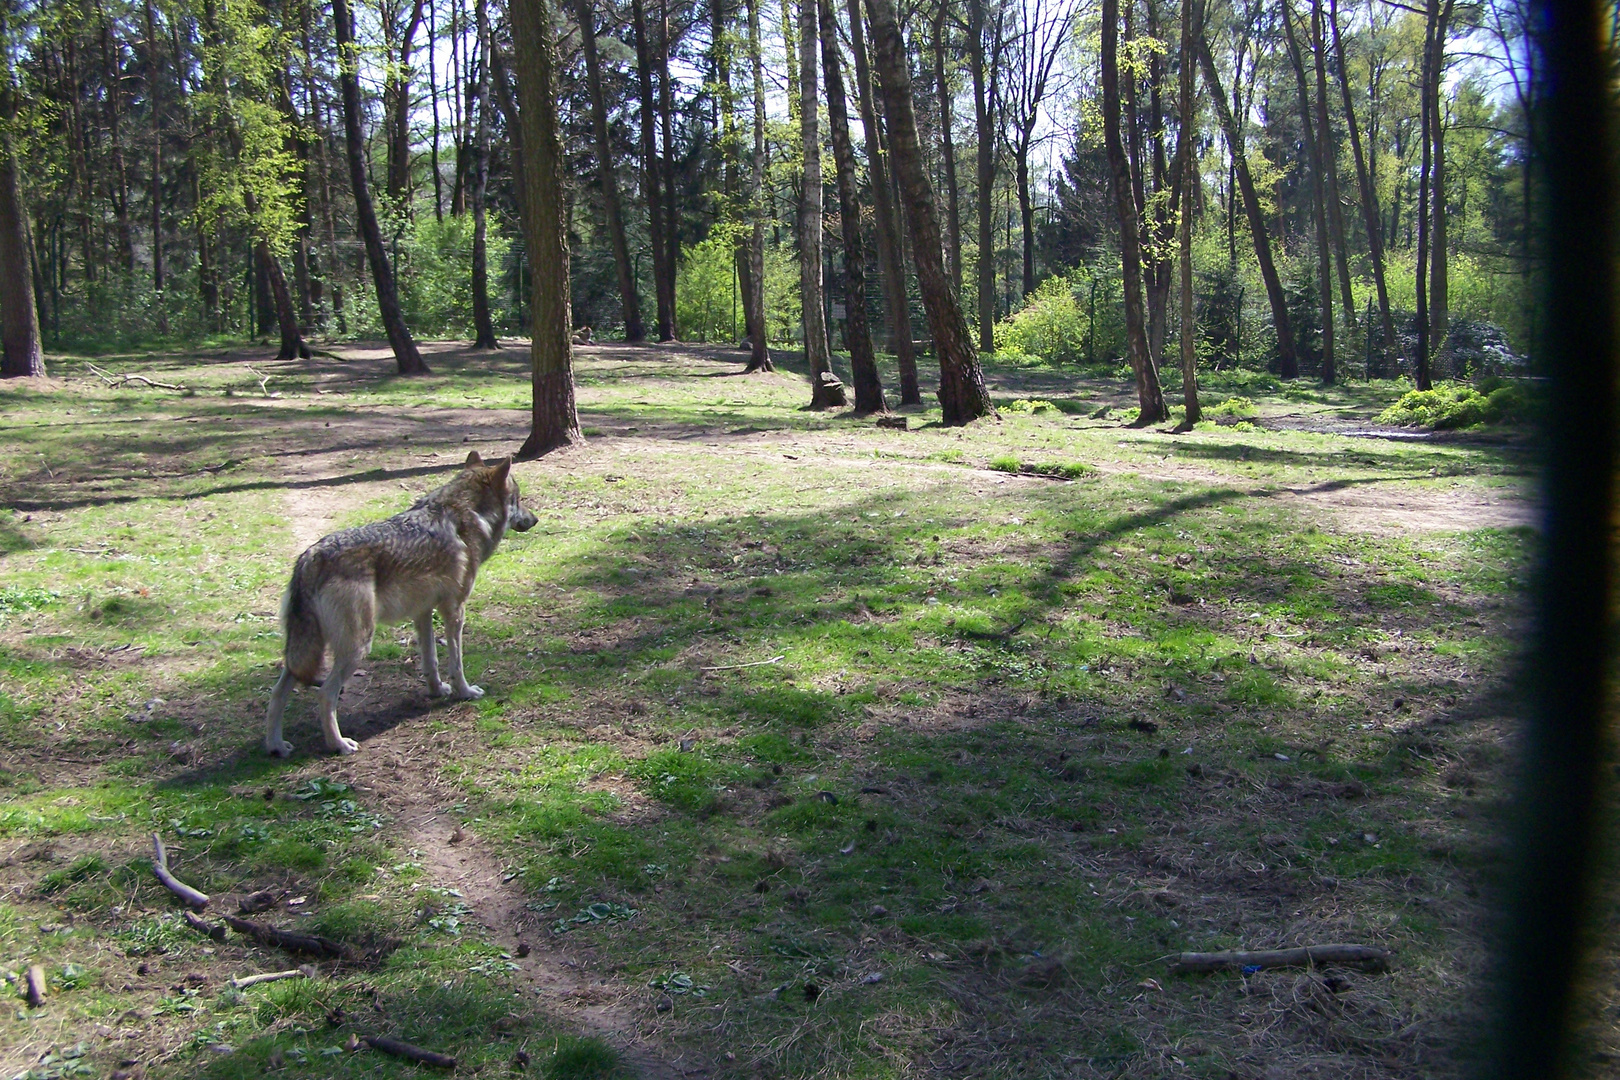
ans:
(555, 979)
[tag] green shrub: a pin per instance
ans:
(1457, 405)
(435, 274)
(1237, 405)
(1052, 324)
(1030, 405)
(708, 305)
(1006, 463)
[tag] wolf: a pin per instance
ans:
(416, 562)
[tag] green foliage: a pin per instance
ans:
(708, 305)
(1067, 320)
(435, 274)
(1030, 405)
(1236, 405)
(1458, 405)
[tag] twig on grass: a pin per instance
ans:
(160, 866)
(122, 378)
(267, 977)
(738, 667)
(264, 382)
(312, 944)
(1309, 955)
(406, 1050)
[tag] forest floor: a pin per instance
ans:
(810, 748)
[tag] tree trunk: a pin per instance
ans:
(1192, 17)
(584, 11)
(759, 358)
(1439, 252)
(1421, 373)
(1158, 274)
(112, 67)
(984, 113)
(483, 323)
(1026, 212)
(1314, 151)
(399, 337)
(1148, 392)
(672, 218)
(155, 191)
(1369, 196)
(1287, 358)
(824, 393)
(891, 260)
(663, 271)
(21, 353)
(555, 422)
(397, 99)
(1328, 149)
(862, 362)
(962, 393)
(947, 146)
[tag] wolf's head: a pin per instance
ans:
(502, 493)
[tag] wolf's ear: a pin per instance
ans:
(473, 459)
(499, 472)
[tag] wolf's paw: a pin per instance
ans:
(278, 747)
(469, 692)
(438, 689)
(345, 746)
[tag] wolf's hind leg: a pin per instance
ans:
(273, 742)
(454, 617)
(344, 663)
(428, 647)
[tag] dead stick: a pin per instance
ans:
(160, 867)
(738, 667)
(406, 1050)
(34, 983)
(1188, 962)
(313, 944)
(202, 926)
(269, 976)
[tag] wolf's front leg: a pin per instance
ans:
(428, 647)
(454, 617)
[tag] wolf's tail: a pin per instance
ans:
(306, 644)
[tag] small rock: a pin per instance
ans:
(523, 949)
(872, 977)
(879, 911)
(665, 1003)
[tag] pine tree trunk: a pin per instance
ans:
(1329, 150)
(155, 191)
(554, 419)
(1440, 252)
(606, 175)
(984, 112)
(21, 352)
(113, 72)
(483, 324)
(947, 147)
(886, 217)
(862, 362)
(1192, 17)
(672, 217)
(393, 319)
(963, 396)
(1371, 218)
(1287, 358)
(397, 96)
(652, 181)
(1026, 212)
(754, 294)
(824, 393)
(1421, 372)
(1149, 395)
(1313, 154)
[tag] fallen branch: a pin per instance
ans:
(1310, 955)
(202, 926)
(269, 976)
(739, 667)
(160, 867)
(34, 985)
(124, 378)
(312, 944)
(264, 382)
(406, 1050)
